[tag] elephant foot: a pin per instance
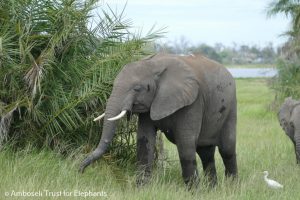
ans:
(230, 163)
(192, 182)
(210, 175)
(233, 177)
(84, 164)
(211, 182)
(142, 179)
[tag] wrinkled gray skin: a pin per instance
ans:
(289, 118)
(190, 98)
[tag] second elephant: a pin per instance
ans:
(289, 118)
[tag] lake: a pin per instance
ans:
(252, 72)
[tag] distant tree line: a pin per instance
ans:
(235, 54)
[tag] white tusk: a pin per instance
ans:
(100, 117)
(118, 116)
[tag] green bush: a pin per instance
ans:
(57, 64)
(287, 83)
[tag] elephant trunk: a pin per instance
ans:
(297, 149)
(114, 106)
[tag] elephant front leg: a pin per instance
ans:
(146, 138)
(187, 154)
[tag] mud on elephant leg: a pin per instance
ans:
(206, 155)
(146, 138)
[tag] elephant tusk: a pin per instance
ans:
(118, 116)
(100, 117)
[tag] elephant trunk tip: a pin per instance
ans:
(91, 158)
(84, 164)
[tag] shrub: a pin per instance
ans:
(57, 64)
(287, 83)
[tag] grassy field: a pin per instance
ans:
(250, 66)
(261, 145)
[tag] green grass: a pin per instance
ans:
(261, 145)
(249, 65)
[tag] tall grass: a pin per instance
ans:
(58, 59)
(261, 145)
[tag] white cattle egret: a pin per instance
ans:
(271, 183)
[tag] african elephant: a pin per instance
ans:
(289, 118)
(191, 99)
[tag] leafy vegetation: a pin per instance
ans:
(58, 59)
(287, 82)
(261, 145)
(291, 8)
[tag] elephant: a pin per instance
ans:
(289, 119)
(191, 99)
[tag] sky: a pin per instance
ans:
(207, 21)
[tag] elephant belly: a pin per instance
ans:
(212, 128)
(206, 140)
(208, 136)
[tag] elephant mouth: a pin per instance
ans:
(139, 108)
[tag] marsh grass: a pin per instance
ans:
(261, 145)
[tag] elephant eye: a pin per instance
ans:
(148, 87)
(137, 88)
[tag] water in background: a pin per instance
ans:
(252, 72)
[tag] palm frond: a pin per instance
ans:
(58, 60)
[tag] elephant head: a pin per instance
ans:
(158, 85)
(284, 116)
(288, 116)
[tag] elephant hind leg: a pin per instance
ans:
(227, 146)
(230, 163)
(206, 155)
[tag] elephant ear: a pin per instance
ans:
(284, 115)
(287, 107)
(177, 87)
